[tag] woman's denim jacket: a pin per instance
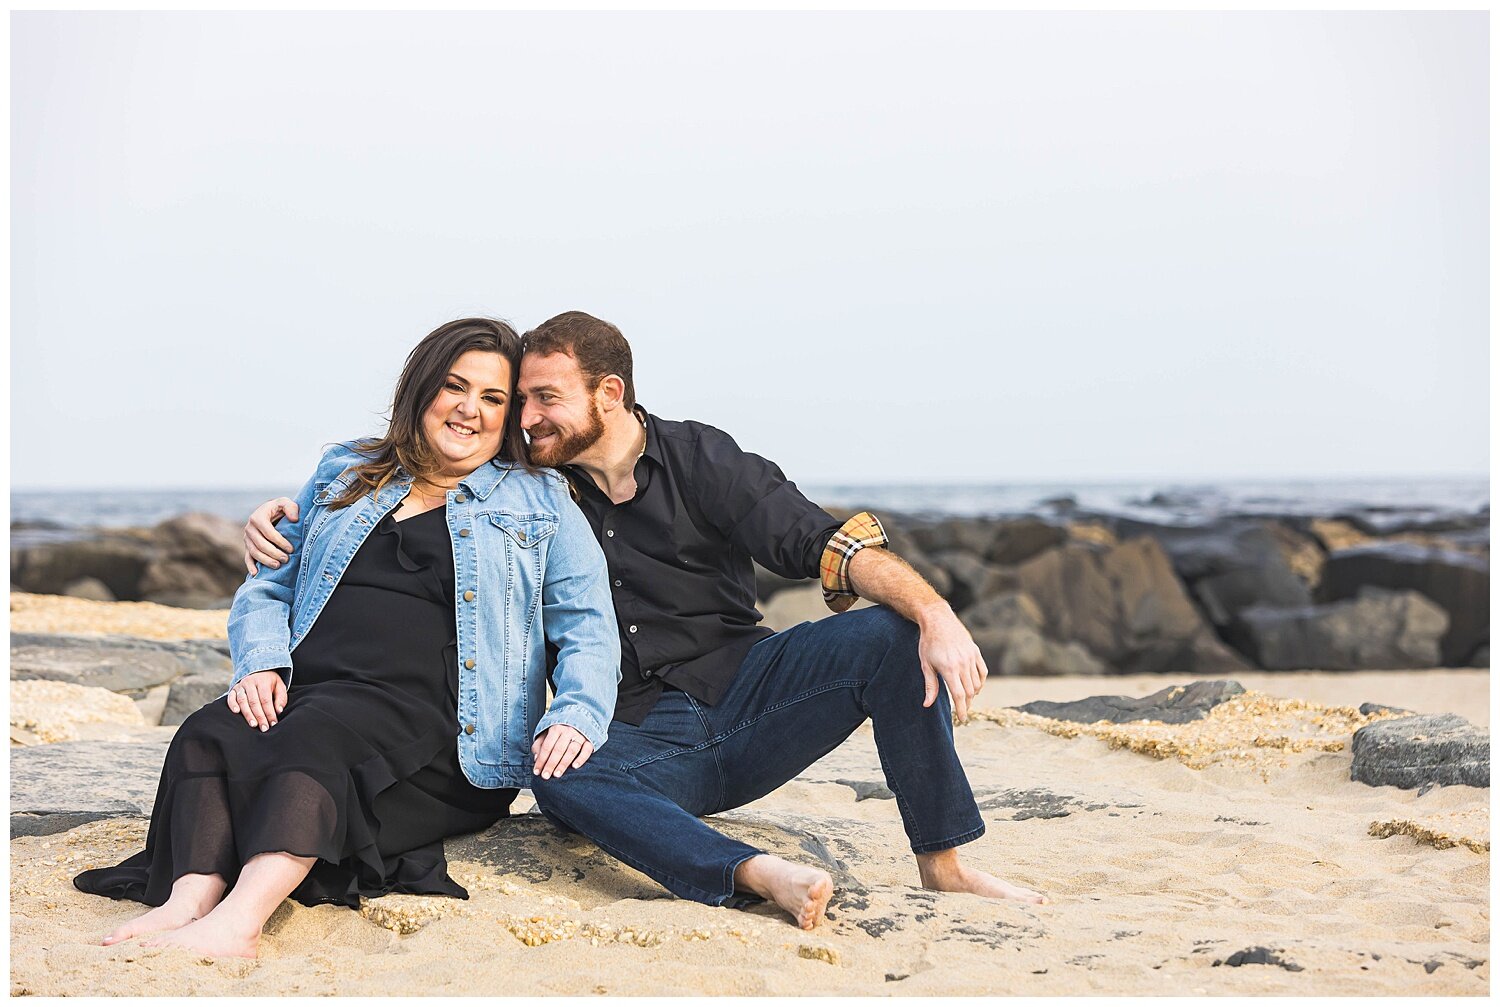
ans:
(528, 572)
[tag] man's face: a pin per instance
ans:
(559, 412)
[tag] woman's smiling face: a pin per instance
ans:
(466, 419)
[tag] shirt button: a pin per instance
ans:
(460, 498)
(468, 728)
(632, 629)
(463, 533)
(610, 533)
(469, 663)
(619, 583)
(468, 596)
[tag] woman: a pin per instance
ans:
(388, 685)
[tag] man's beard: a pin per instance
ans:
(565, 447)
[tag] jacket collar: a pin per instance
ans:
(483, 480)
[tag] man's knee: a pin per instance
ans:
(562, 789)
(884, 631)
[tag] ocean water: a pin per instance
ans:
(1385, 502)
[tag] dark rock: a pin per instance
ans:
(192, 559)
(56, 787)
(116, 560)
(1258, 956)
(1379, 629)
(971, 579)
(190, 693)
(1431, 966)
(1126, 606)
(1018, 540)
(1217, 547)
(1008, 631)
(1413, 751)
(1176, 704)
(1225, 595)
(970, 535)
(864, 790)
(123, 664)
(1459, 582)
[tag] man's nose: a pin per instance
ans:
(530, 415)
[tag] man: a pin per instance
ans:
(715, 711)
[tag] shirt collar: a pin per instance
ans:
(653, 437)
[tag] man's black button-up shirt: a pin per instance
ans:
(679, 556)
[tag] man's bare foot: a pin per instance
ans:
(944, 872)
(216, 934)
(802, 891)
(193, 897)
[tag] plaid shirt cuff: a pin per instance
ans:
(859, 532)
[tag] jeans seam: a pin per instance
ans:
(714, 750)
(907, 815)
(794, 700)
(729, 874)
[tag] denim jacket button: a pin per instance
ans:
(469, 663)
(468, 728)
(460, 498)
(468, 596)
(463, 533)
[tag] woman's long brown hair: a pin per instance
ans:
(427, 367)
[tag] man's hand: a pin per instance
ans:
(559, 749)
(945, 648)
(263, 543)
(947, 651)
(259, 698)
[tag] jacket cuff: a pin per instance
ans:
(861, 531)
(264, 659)
(579, 720)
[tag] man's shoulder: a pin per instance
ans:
(687, 435)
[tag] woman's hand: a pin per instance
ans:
(263, 543)
(259, 698)
(559, 749)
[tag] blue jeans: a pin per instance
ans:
(797, 696)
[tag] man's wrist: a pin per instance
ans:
(935, 614)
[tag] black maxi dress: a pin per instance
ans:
(361, 771)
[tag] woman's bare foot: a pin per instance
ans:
(944, 872)
(802, 891)
(193, 897)
(217, 934)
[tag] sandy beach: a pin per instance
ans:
(1265, 871)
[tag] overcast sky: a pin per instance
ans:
(875, 248)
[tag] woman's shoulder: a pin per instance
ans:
(342, 456)
(536, 482)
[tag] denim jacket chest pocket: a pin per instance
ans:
(525, 538)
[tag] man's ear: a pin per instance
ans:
(611, 392)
